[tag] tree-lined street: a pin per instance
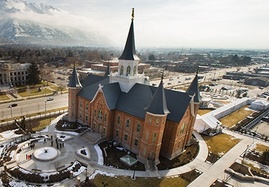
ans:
(32, 106)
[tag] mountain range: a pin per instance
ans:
(22, 22)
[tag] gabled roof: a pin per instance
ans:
(158, 102)
(92, 79)
(129, 49)
(137, 99)
(194, 89)
(74, 80)
(90, 87)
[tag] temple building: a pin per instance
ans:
(149, 121)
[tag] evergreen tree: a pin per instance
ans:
(33, 74)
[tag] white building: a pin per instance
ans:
(13, 73)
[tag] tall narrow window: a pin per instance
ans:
(182, 128)
(134, 70)
(117, 133)
(128, 71)
(136, 142)
(138, 127)
(118, 119)
(127, 123)
(121, 70)
(100, 114)
(125, 137)
(87, 106)
(154, 137)
(157, 121)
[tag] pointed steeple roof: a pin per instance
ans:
(158, 103)
(194, 89)
(74, 80)
(129, 52)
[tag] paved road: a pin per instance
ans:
(32, 106)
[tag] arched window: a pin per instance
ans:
(121, 70)
(182, 128)
(118, 119)
(154, 137)
(134, 70)
(157, 121)
(127, 123)
(138, 127)
(100, 114)
(128, 71)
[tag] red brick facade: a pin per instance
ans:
(148, 138)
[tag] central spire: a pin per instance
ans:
(129, 52)
(132, 14)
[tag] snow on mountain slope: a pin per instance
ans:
(23, 22)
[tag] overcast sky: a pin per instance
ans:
(176, 23)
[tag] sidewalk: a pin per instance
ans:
(216, 171)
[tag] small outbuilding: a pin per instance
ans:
(259, 105)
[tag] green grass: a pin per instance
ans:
(220, 144)
(141, 182)
(4, 97)
(233, 118)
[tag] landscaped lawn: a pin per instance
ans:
(4, 97)
(220, 144)
(203, 111)
(261, 147)
(121, 181)
(238, 115)
(43, 124)
(34, 92)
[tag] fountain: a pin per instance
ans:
(45, 153)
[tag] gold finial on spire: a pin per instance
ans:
(132, 13)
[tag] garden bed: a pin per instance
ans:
(64, 125)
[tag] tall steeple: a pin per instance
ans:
(127, 75)
(74, 87)
(158, 104)
(74, 80)
(129, 52)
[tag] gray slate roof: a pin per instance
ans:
(74, 80)
(194, 89)
(158, 103)
(129, 52)
(137, 99)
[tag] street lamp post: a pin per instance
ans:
(45, 107)
(11, 112)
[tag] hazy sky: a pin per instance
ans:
(176, 23)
